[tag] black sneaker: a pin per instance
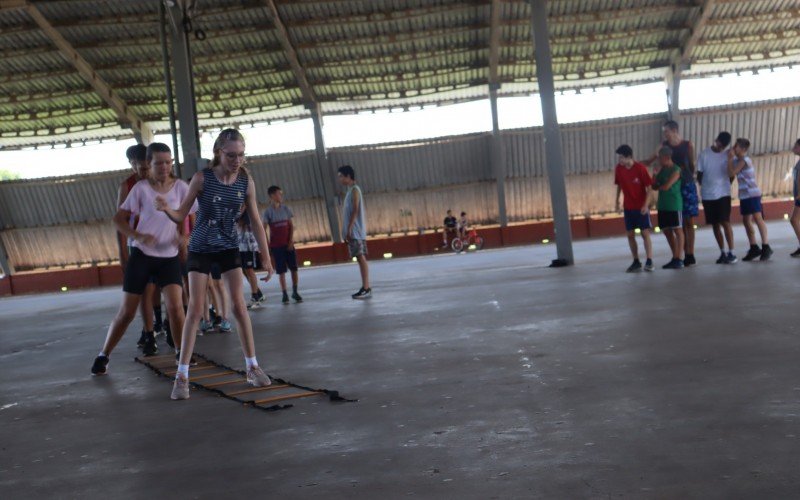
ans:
(362, 293)
(752, 254)
(99, 366)
(150, 347)
(731, 259)
(260, 296)
(635, 267)
(795, 254)
(673, 264)
(142, 338)
(648, 265)
(168, 335)
(723, 259)
(192, 361)
(285, 298)
(689, 260)
(296, 296)
(766, 253)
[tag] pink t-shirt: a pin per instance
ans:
(141, 202)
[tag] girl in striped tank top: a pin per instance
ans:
(221, 189)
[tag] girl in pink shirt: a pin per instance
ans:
(156, 242)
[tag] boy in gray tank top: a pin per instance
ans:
(354, 230)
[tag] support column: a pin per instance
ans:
(498, 157)
(173, 128)
(552, 132)
(5, 266)
(184, 90)
(326, 176)
(673, 93)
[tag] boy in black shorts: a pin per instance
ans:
(281, 241)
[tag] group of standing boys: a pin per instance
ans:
(675, 178)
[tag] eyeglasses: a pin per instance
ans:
(233, 156)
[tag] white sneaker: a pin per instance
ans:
(181, 388)
(257, 378)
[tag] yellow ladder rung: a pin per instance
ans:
(211, 375)
(287, 396)
(257, 389)
(191, 369)
(226, 382)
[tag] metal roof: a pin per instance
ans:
(357, 55)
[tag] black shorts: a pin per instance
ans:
(143, 269)
(670, 219)
(225, 260)
(717, 210)
(250, 260)
(284, 258)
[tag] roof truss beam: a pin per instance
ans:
(290, 52)
(495, 36)
(684, 55)
(126, 115)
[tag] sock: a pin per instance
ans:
(250, 362)
(294, 288)
(102, 355)
(636, 260)
(285, 293)
(157, 314)
(183, 370)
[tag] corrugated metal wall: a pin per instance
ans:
(418, 165)
(49, 202)
(408, 185)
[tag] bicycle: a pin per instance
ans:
(458, 244)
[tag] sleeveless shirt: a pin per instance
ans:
(219, 206)
(680, 157)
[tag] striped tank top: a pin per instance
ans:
(218, 207)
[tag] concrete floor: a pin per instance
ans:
(484, 375)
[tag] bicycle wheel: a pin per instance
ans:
(457, 245)
(478, 242)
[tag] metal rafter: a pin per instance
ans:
(494, 40)
(684, 56)
(290, 52)
(390, 16)
(125, 114)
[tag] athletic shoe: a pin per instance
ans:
(158, 326)
(260, 297)
(216, 322)
(285, 298)
(257, 378)
(142, 338)
(204, 326)
(752, 254)
(150, 347)
(648, 265)
(673, 264)
(689, 260)
(225, 326)
(181, 388)
(253, 303)
(731, 259)
(99, 366)
(723, 259)
(192, 361)
(168, 336)
(795, 254)
(766, 253)
(296, 296)
(362, 293)
(635, 267)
